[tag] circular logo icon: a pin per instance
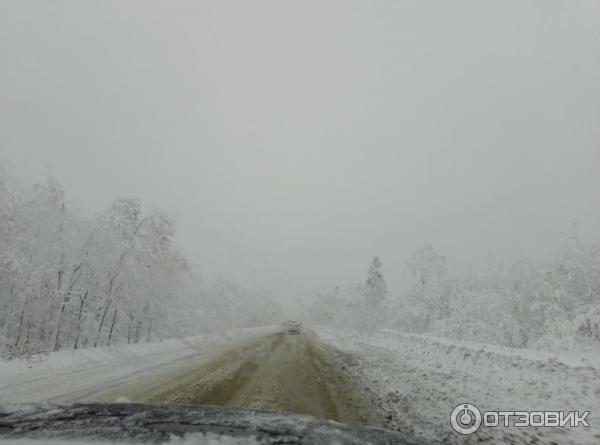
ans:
(465, 418)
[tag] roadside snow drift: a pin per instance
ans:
(416, 382)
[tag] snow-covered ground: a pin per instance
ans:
(416, 381)
(86, 373)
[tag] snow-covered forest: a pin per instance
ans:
(524, 304)
(69, 282)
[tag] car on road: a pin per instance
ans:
(293, 326)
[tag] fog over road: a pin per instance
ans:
(277, 372)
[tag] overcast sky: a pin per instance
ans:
(295, 140)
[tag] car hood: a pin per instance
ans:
(147, 423)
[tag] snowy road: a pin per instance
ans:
(90, 374)
(277, 372)
(401, 382)
(262, 368)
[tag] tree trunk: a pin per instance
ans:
(81, 304)
(20, 326)
(60, 317)
(138, 332)
(102, 322)
(130, 327)
(28, 338)
(148, 335)
(112, 325)
(6, 317)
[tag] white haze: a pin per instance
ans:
(296, 140)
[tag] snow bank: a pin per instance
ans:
(416, 381)
(84, 373)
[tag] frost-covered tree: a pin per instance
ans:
(375, 286)
(73, 282)
(429, 296)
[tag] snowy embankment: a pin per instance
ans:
(416, 381)
(86, 373)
